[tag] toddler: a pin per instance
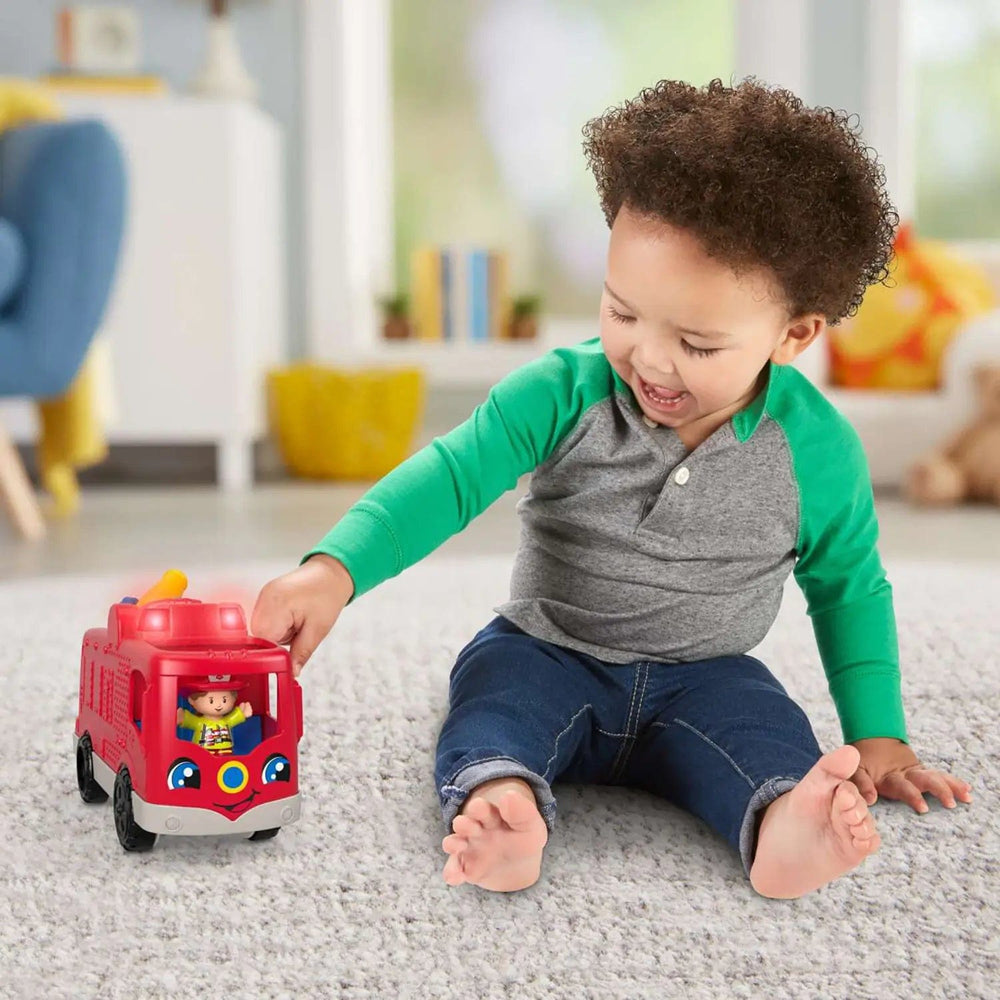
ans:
(681, 469)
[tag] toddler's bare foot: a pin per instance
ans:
(499, 837)
(816, 832)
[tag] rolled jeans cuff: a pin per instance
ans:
(455, 791)
(772, 789)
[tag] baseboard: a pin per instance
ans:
(163, 465)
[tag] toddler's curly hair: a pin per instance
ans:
(759, 179)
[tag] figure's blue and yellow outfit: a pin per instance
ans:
(215, 735)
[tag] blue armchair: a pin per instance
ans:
(62, 207)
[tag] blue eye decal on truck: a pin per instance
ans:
(184, 773)
(276, 768)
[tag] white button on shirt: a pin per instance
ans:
(682, 475)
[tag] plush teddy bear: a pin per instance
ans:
(966, 467)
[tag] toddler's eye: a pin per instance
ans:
(618, 317)
(700, 352)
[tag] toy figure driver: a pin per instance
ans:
(213, 700)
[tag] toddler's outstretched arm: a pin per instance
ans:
(300, 607)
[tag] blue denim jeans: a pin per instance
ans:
(720, 738)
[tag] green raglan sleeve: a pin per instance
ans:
(437, 491)
(848, 595)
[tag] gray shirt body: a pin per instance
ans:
(632, 549)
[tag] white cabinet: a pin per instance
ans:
(198, 312)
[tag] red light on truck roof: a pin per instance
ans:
(154, 620)
(231, 617)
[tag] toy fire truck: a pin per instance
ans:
(189, 723)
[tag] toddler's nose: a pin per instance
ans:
(655, 364)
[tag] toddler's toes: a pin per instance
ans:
(518, 813)
(481, 810)
(856, 815)
(453, 872)
(466, 826)
(870, 845)
(848, 799)
(864, 830)
(452, 844)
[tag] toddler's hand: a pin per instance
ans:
(888, 767)
(302, 606)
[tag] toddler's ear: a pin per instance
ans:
(986, 379)
(799, 337)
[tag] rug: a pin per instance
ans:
(636, 898)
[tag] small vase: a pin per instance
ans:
(223, 73)
(524, 328)
(396, 328)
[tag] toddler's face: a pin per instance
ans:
(670, 288)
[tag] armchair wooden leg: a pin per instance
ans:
(17, 492)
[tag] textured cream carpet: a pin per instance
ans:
(636, 899)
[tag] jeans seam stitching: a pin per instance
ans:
(618, 765)
(555, 748)
(628, 719)
(628, 726)
(638, 715)
(711, 743)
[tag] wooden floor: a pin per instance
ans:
(132, 528)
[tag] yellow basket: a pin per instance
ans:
(333, 424)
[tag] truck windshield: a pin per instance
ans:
(227, 714)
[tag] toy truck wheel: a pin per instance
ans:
(132, 836)
(90, 790)
(265, 834)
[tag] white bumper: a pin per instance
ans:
(186, 821)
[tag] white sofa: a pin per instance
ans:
(897, 427)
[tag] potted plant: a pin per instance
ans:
(524, 317)
(395, 313)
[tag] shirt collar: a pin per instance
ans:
(746, 421)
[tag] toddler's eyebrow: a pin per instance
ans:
(708, 334)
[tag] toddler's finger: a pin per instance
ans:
(270, 620)
(862, 779)
(304, 645)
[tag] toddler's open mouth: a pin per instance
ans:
(664, 400)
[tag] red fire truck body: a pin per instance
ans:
(134, 677)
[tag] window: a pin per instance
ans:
(489, 99)
(208, 715)
(137, 692)
(956, 52)
(272, 695)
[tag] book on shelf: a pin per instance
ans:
(105, 83)
(460, 294)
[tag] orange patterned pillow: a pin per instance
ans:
(898, 337)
